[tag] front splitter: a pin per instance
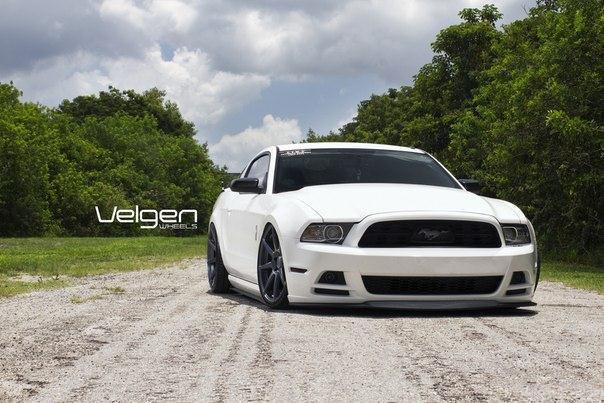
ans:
(428, 305)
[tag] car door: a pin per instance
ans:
(245, 214)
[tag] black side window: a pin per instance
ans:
(259, 169)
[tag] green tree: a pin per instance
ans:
(27, 150)
(151, 102)
(118, 148)
(535, 136)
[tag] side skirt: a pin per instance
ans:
(245, 287)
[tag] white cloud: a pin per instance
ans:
(235, 150)
(154, 15)
(203, 94)
(388, 38)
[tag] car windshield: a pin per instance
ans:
(300, 168)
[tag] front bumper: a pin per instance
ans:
(356, 262)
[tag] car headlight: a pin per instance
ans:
(326, 233)
(516, 234)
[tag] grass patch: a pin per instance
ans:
(114, 290)
(574, 275)
(76, 299)
(10, 286)
(50, 258)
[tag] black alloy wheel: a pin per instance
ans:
(271, 270)
(217, 274)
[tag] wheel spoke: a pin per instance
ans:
(275, 241)
(211, 254)
(269, 280)
(275, 281)
(266, 266)
(268, 248)
(211, 247)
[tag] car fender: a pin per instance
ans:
(217, 216)
(290, 218)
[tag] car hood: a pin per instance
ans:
(354, 202)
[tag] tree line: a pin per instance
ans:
(112, 149)
(518, 108)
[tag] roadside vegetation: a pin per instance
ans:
(28, 264)
(112, 149)
(585, 276)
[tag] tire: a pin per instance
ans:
(217, 274)
(271, 270)
(538, 272)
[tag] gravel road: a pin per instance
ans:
(159, 335)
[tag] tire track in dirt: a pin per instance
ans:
(227, 366)
(487, 356)
(113, 364)
(522, 341)
(261, 369)
(435, 375)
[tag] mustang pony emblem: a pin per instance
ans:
(427, 234)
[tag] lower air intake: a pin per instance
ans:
(390, 285)
(329, 291)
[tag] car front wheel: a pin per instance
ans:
(271, 270)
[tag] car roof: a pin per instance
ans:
(366, 146)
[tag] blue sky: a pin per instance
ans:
(321, 103)
(249, 73)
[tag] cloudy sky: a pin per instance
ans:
(249, 73)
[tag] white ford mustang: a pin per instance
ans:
(365, 224)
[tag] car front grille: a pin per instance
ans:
(430, 233)
(391, 285)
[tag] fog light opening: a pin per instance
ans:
(521, 291)
(518, 277)
(332, 277)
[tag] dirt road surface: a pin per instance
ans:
(159, 335)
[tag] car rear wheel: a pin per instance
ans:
(271, 270)
(217, 274)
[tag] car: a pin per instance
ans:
(367, 225)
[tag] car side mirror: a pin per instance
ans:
(471, 185)
(246, 185)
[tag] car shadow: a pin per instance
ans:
(377, 313)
